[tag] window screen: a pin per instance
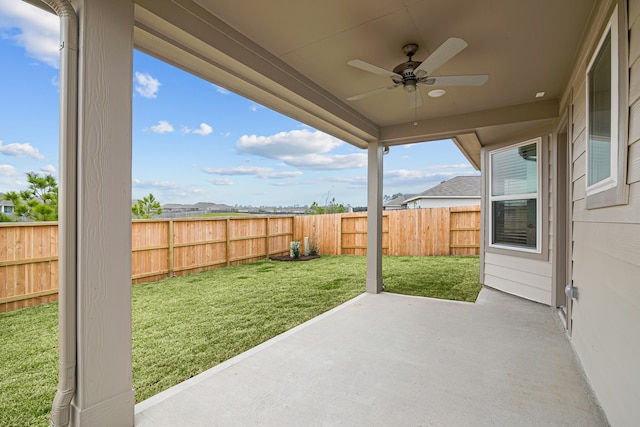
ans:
(514, 197)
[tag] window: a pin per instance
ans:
(606, 118)
(514, 197)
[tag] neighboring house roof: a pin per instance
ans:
(399, 201)
(458, 187)
(4, 202)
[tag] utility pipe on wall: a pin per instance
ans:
(61, 408)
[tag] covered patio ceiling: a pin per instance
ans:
(292, 55)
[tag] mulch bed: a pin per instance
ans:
(288, 258)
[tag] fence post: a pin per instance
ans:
(267, 236)
(339, 234)
(228, 250)
(450, 233)
(293, 228)
(171, 242)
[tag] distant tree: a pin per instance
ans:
(147, 207)
(315, 209)
(6, 218)
(330, 207)
(39, 202)
(388, 198)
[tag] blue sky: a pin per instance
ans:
(192, 140)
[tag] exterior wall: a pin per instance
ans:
(527, 278)
(515, 272)
(606, 257)
(441, 203)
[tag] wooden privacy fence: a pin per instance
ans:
(410, 232)
(164, 248)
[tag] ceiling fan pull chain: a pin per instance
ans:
(415, 109)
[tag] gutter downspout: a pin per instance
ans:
(61, 408)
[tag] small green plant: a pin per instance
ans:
(295, 249)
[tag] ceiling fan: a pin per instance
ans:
(411, 73)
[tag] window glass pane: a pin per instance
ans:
(515, 171)
(600, 115)
(515, 223)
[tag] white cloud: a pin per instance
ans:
(166, 191)
(301, 149)
(21, 150)
(163, 126)
(203, 130)
(32, 28)
(261, 172)
(220, 181)
(221, 90)
(8, 170)
(48, 169)
(164, 185)
(355, 181)
(327, 162)
(407, 177)
(146, 85)
(284, 144)
(239, 170)
(281, 175)
(458, 166)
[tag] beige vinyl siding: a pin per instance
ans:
(606, 259)
(549, 212)
(513, 271)
(442, 203)
(524, 277)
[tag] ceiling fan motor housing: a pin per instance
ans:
(406, 70)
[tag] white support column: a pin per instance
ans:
(374, 218)
(104, 394)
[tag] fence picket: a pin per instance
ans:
(168, 247)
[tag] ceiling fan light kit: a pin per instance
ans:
(436, 93)
(411, 73)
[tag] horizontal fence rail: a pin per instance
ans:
(163, 248)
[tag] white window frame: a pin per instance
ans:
(613, 191)
(612, 180)
(538, 197)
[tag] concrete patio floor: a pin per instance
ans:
(394, 360)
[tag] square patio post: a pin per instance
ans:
(374, 218)
(104, 394)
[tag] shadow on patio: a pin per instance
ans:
(382, 360)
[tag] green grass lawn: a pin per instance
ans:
(185, 325)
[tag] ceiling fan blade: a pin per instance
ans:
(442, 54)
(414, 98)
(468, 80)
(373, 92)
(373, 69)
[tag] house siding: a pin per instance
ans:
(606, 257)
(512, 271)
(524, 277)
(441, 203)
